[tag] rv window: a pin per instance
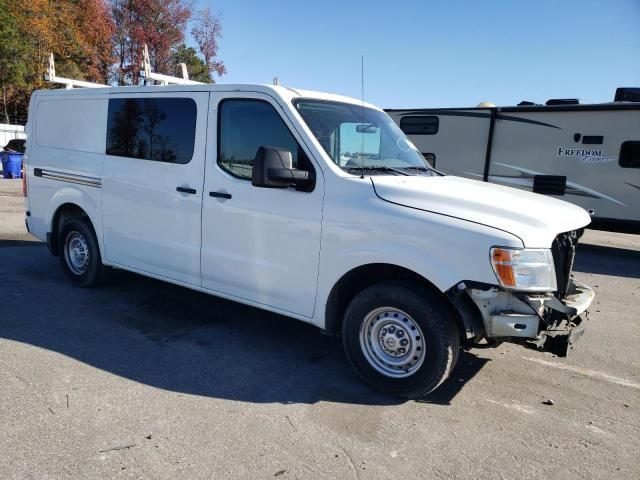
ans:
(630, 155)
(420, 125)
(246, 125)
(161, 129)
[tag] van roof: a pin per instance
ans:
(281, 91)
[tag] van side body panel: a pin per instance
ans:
(66, 173)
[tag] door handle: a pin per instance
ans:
(220, 195)
(192, 191)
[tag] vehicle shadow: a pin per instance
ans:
(604, 260)
(177, 339)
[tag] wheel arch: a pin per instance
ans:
(61, 213)
(72, 200)
(363, 276)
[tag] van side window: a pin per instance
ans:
(629, 155)
(423, 125)
(161, 129)
(245, 125)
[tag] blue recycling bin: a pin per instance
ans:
(11, 164)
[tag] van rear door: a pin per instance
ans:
(152, 183)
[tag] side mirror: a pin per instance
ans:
(272, 168)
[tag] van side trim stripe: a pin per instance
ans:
(68, 177)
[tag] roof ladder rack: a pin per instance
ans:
(146, 73)
(51, 76)
(164, 79)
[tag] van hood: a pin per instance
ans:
(534, 218)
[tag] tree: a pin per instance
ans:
(197, 69)
(12, 57)
(206, 32)
(77, 32)
(158, 23)
(95, 41)
(165, 22)
(122, 19)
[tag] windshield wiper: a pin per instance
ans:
(376, 169)
(423, 169)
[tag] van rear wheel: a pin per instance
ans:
(402, 340)
(80, 254)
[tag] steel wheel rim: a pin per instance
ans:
(76, 253)
(392, 342)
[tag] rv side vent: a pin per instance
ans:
(627, 94)
(563, 101)
(549, 184)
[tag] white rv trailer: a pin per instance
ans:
(587, 154)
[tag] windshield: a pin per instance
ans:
(358, 138)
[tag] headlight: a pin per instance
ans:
(524, 268)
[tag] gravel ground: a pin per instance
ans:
(142, 379)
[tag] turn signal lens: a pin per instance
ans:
(502, 264)
(530, 269)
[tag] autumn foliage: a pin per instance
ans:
(206, 31)
(97, 40)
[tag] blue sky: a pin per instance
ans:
(435, 53)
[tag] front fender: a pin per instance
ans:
(441, 249)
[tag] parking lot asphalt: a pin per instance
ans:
(142, 379)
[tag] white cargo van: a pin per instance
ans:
(306, 204)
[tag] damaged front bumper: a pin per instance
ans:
(541, 321)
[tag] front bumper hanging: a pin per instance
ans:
(566, 322)
(541, 321)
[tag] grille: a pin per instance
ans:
(563, 250)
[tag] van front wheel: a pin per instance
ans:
(400, 339)
(79, 253)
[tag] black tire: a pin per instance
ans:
(79, 230)
(427, 312)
